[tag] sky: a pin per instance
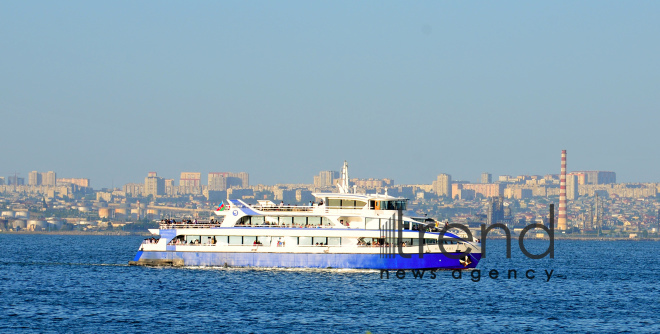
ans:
(284, 89)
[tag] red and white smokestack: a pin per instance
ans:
(561, 219)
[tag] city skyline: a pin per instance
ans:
(203, 178)
(110, 92)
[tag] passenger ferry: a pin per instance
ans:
(339, 230)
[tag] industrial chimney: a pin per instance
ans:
(561, 220)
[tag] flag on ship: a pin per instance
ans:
(221, 207)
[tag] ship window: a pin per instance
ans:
(314, 220)
(372, 223)
(305, 241)
(272, 220)
(235, 240)
(248, 220)
(325, 221)
(249, 240)
(286, 220)
(300, 220)
(257, 220)
(393, 205)
(334, 202)
(320, 240)
(193, 239)
(208, 239)
(334, 241)
(265, 241)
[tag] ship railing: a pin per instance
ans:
(287, 208)
(307, 208)
(286, 226)
(182, 225)
(190, 244)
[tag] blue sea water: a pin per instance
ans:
(82, 284)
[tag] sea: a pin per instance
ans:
(83, 284)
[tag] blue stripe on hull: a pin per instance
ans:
(302, 260)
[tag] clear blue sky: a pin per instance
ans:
(112, 90)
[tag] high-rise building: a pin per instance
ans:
(170, 189)
(49, 179)
(218, 181)
(154, 185)
(495, 212)
(486, 178)
(572, 186)
(34, 178)
(244, 177)
(15, 181)
(596, 177)
(190, 183)
(443, 185)
(326, 178)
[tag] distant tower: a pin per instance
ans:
(561, 220)
(486, 178)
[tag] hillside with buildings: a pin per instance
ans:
(596, 204)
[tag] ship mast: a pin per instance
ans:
(343, 182)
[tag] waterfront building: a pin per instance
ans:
(486, 178)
